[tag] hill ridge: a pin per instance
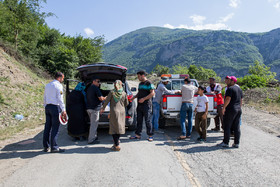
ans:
(221, 50)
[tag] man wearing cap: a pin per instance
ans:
(53, 102)
(232, 112)
(216, 88)
(161, 89)
(188, 90)
(94, 99)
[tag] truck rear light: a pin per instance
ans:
(164, 103)
(215, 102)
(128, 117)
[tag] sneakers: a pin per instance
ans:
(201, 140)
(95, 141)
(58, 150)
(235, 145)
(223, 145)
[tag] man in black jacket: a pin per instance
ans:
(94, 99)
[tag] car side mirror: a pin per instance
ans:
(133, 89)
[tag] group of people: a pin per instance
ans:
(148, 109)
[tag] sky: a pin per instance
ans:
(113, 18)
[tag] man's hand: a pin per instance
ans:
(141, 100)
(204, 116)
(224, 110)
(101, 111)
(63, 114)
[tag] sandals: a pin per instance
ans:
(182, 138)
(135, 137)
(150, 139)
(116, 148)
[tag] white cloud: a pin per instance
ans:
(234, 3)
(199, 25)
(197, 20)
(89, 32)
(228, 17)
(276, 3)
(169, 26)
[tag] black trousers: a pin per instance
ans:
(144, 111)
(51, 126)
(231, 121)
(116, 138)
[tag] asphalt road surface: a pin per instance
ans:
(163, 162)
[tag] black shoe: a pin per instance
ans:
(199, 138)
(46, 149)
(94, 142)
(215, 129)
(57, 150)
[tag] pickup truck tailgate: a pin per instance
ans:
(173, 102)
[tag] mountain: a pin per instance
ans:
(226, 52)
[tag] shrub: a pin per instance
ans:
(252, 81)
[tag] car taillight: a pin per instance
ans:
(164, 103)
(129, 97)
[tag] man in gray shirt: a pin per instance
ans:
(161, 89)
(188, 91)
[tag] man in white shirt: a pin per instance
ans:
(53, 102)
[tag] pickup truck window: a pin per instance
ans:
(177, 84)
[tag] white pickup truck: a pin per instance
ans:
(171, 103)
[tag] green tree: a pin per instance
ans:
(262, 70)
(179, 69)
(160, 69)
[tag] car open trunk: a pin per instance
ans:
(105, 72)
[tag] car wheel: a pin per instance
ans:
(208, 122)
(133, 126)
(162, 122)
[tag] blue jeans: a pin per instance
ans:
(156, 108)
(186, 108)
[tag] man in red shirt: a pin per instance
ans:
(220, 104)
(216, 88)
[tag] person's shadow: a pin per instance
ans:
(33, 147)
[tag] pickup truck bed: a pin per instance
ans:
(171, 105)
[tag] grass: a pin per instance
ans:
(10, 131)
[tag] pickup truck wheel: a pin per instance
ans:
(208, 122)
(162, 122)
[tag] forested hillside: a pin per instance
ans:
(23, 29)
(224, 51)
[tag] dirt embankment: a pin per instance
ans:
(21, 92)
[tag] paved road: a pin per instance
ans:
(164, 162)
